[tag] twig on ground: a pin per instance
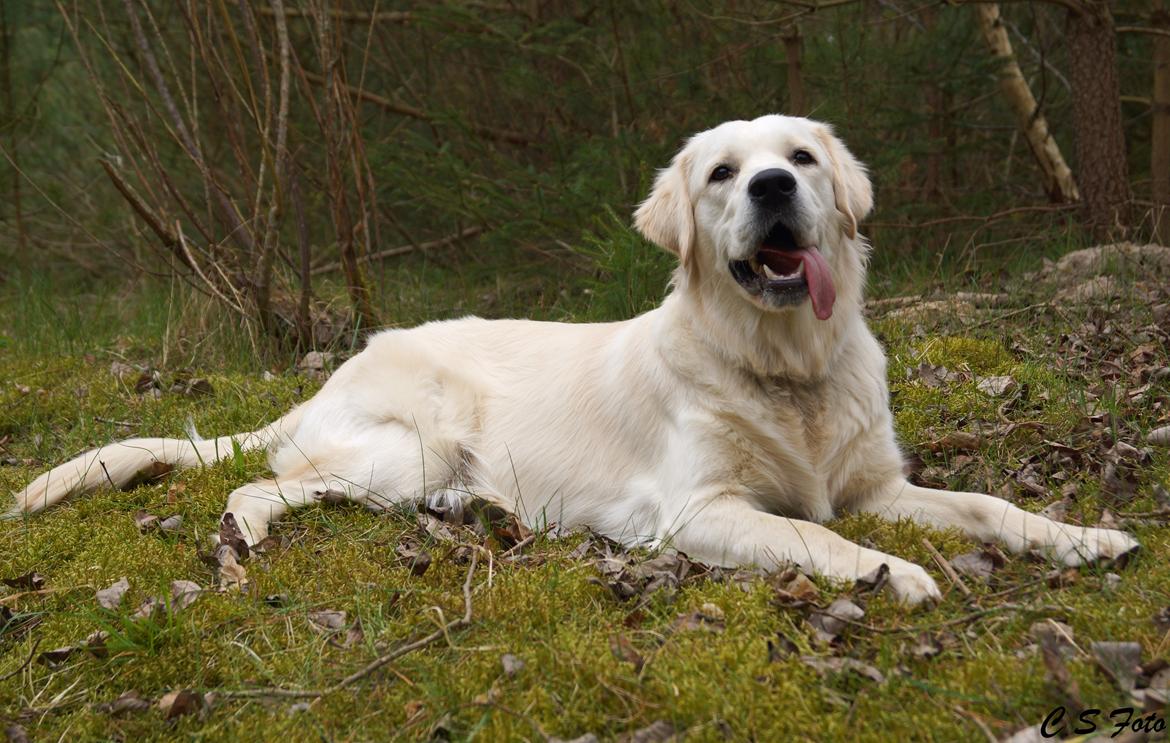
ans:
(946, 567)
(378, 662)
(41, 592)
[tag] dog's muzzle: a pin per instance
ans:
(784, 273)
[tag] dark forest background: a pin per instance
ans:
(302, 166)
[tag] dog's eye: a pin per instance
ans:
(803, 157)
(722, 173)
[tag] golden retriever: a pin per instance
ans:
(726, 423)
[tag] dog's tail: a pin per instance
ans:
(122, 463)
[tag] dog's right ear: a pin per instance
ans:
(667, 216)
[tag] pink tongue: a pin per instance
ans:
(820, 284)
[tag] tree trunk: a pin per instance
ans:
(793, 43)
(1058, 178)
(1102, 170)
(1160, 137)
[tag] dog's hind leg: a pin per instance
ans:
(384, 466)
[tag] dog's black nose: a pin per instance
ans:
(772, 187)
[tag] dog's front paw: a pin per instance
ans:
(911, 583)
(1078, 546)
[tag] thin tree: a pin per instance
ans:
(1058, 178)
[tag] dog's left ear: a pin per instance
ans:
(667, 217)
(851, 187)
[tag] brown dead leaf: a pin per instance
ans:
(792, 588)
(996, 386)
(144, 520)
(150, 608)
(31, 581)
(231, 536)
(658, 731)
(1120, 661)
(14, 733)
(976, 565)
(232, 574)
(511, 531)
(111, 596)
(175, 493)
(327, 620)
(129, 701)
(956, 441)
(828, 624)
(512, 664)
(1056, 644)
(826, 666)
(54, 658)
(181, 702)
(1159, 436)
(184, 593)
(413, 556)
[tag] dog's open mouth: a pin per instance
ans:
(784, 273)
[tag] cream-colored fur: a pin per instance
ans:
(713, 424)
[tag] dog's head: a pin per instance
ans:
(768, 206)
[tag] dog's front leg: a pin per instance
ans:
(990, 519)
(727, 530)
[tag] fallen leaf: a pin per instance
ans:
(327, 619)
(57, 656)
(793, 588)
(413, 556)
(111, 596)
(184, 593)
(956, 441)
(512, 664)
(144, 520)
(977, 565)
(656, 732)
(95, 643)
(996, 386)
(129, 701)
(829, 623)
(1055, 642)
(355, 634)
(1120, 661)
(231, 536)
(174, 492)
(1159, 436)
(14, 733)
(32, 581)
(180, 702)
(150, 608)
(834, 664)
(171, 523)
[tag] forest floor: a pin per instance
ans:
(1041, 388)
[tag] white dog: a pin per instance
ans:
(726, 423)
